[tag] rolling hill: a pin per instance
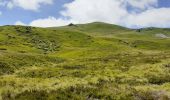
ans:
(84, 62)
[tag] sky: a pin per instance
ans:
(53, 13)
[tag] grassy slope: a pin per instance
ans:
(88, 61)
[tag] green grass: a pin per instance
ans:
(85, 61)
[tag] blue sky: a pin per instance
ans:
(48, 13)
(10, 16)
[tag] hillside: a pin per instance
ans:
(84, 62)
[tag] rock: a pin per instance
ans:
(160, 35)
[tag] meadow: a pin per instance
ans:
(95, 61)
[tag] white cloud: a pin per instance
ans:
(20, 23)
(50, 22)
(0, 13)
(142, 4)
(95, 10)
(110, 11)
(28, 4)
(154, 17)
(116, 12)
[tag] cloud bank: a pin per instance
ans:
(129, 13)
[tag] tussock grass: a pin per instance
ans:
(80, 62)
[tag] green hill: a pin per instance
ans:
(84, 61)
